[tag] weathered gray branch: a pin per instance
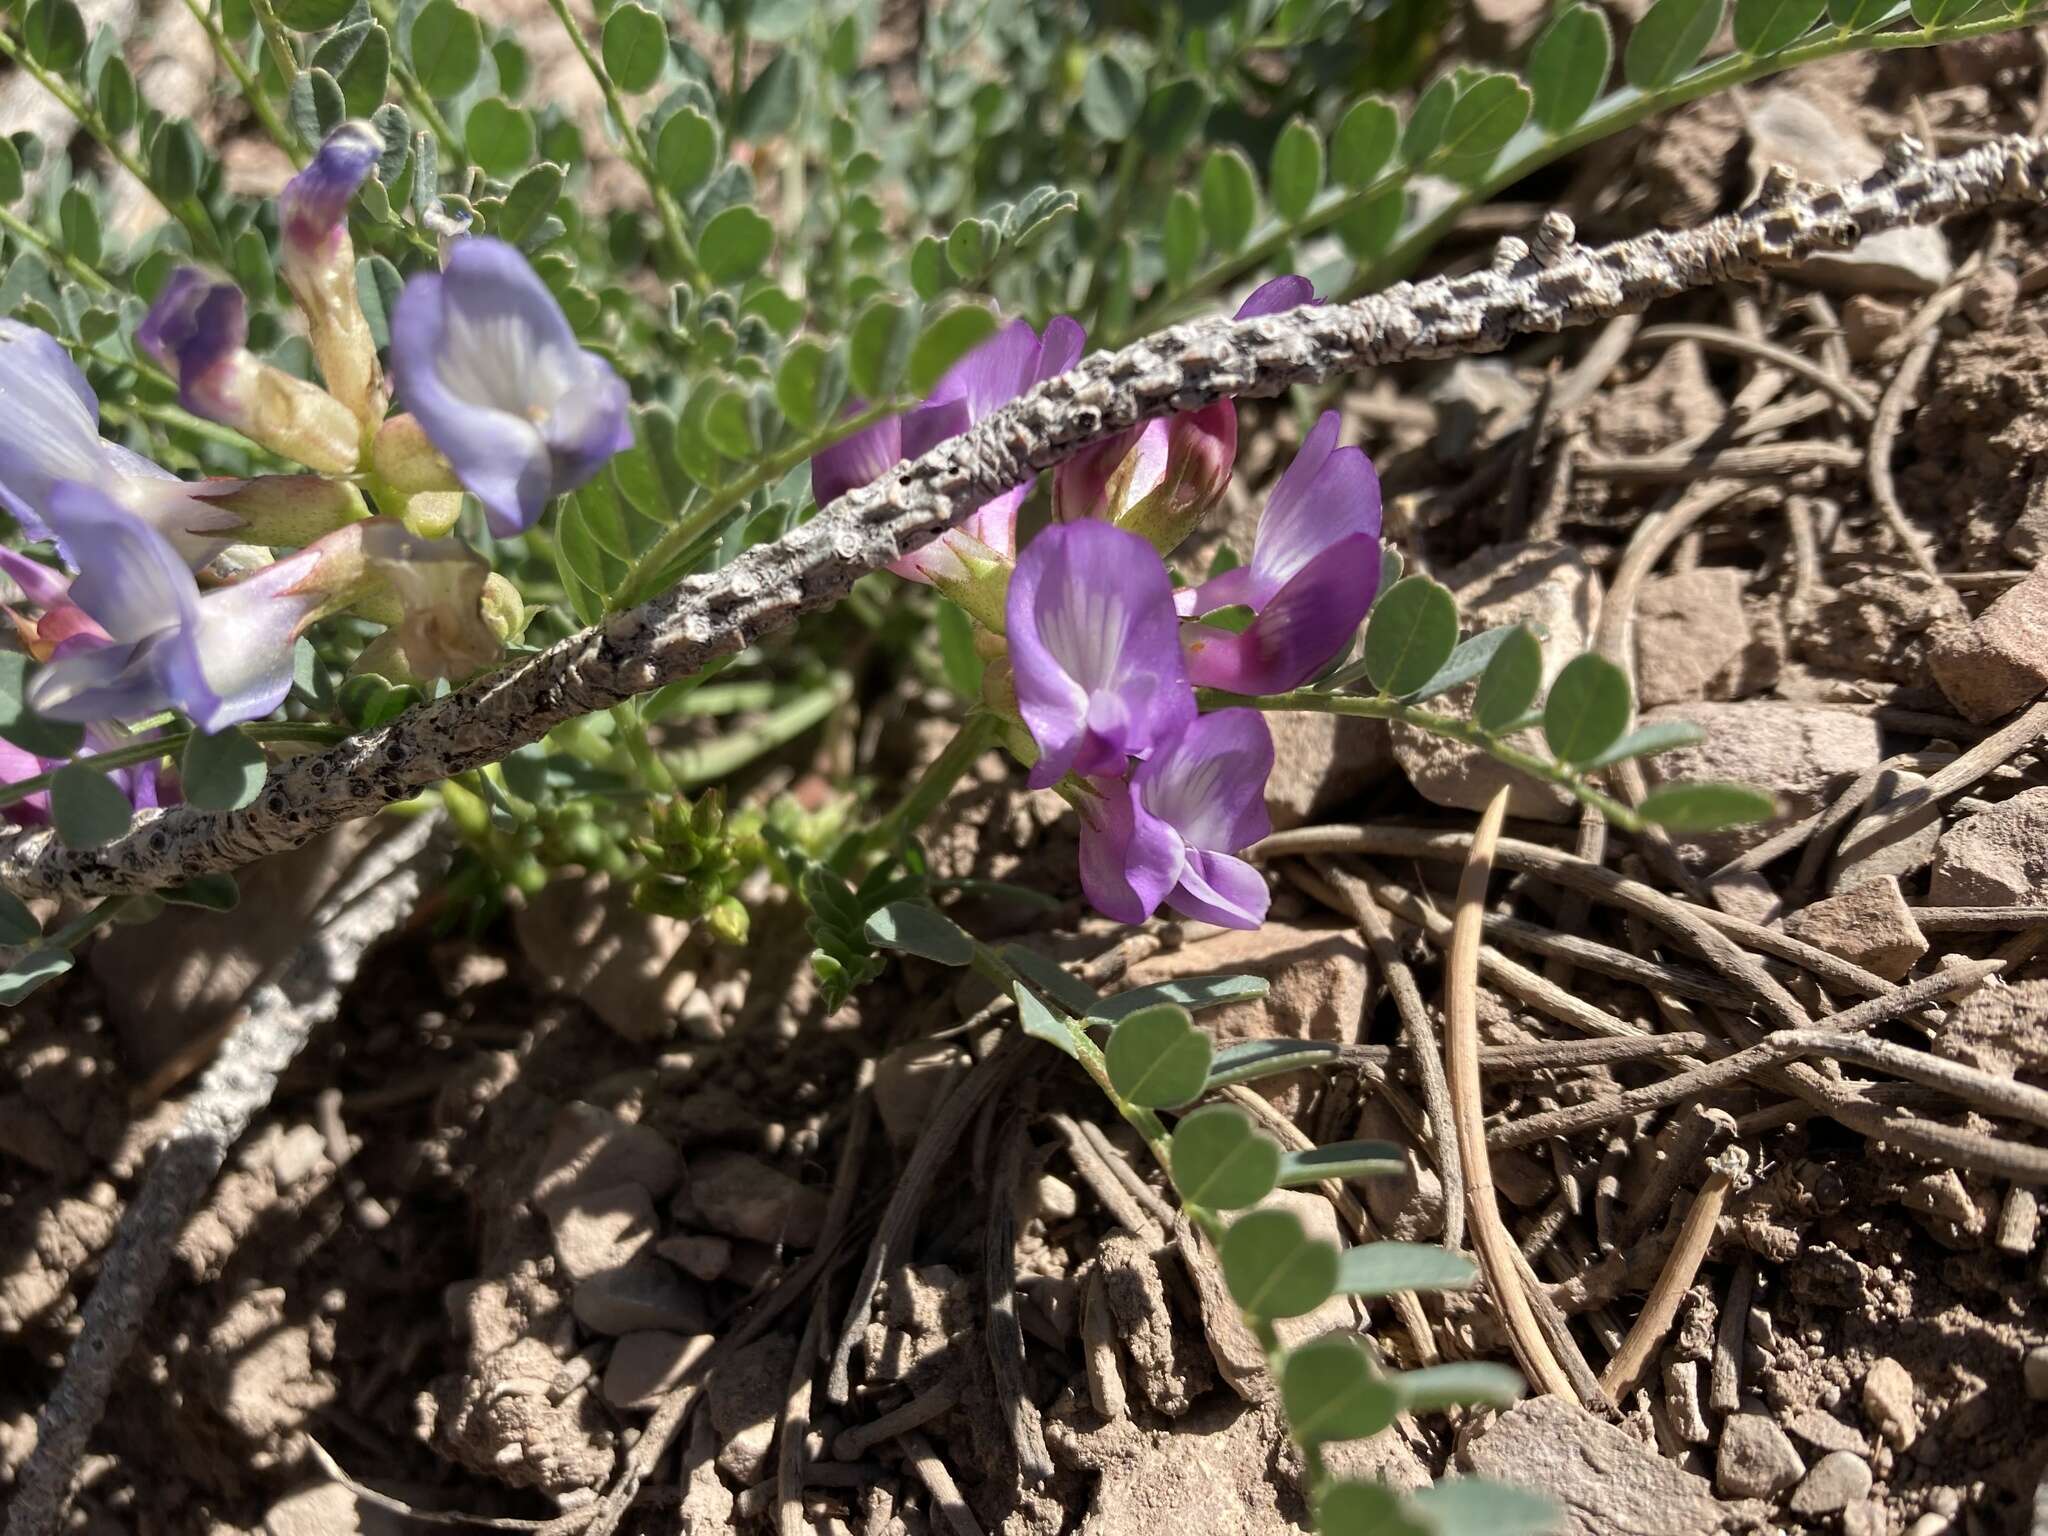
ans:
(276, 1019)
(1543, 284)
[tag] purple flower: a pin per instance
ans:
(1008, 364)
(139, 781)
(484, 357)
(1169, 832)
(52, 434)
(223, 657)
(1095, 650)
(319, 266)
(1276, 295)
(198, 330)
(1158, 480)
(1314, 572)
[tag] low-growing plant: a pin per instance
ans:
(286, 470)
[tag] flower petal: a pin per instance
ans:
(130, 579)
(1209, 783)
(859, 459)
(1093, 644)
(1216, 888)
(589, 424)
(101, 682)
(52, 423)
(1129, 859)
(1276, 295)
(1299, 630)
(1059, 349)
(234, 664)
(1294, 526)
(315, 202)
(39, 584)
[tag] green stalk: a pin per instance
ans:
(251, 88)
(280, 43)
(168, 745)
(684, 532)
(1309, 701)
(666, 208)
(708, 762)
(916, 808)
(29, 235)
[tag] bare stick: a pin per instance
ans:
(1495, 1245)
(276, 1018)
(1659, 1312)
(1540, 285)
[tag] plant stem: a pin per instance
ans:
(251, 88)
(279, 42)
(666, 208)
(975, 737)
(1308, 700)
(708, 762)
(682, 533)
(416, 94)
(169, 744)
(28, 234)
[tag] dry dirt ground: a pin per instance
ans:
(535, 1193)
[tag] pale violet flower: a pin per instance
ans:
(484, 358)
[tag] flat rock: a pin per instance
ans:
(1837, 1480)
(1888, 1400)
(1322, 763)
(645, 1365)
(1996, 858)
(742, 1196)
(1814, 134)
(1209, 1475)
(1603, 1480)
(1876, 846)
(2001, 1028)
(1320, 982)
(1869, 924)
(328, 1509)
(1690, 629)
(604, 1230)
(1756, 1460)
(697, 1254)
(746, 1395)
(1823, 1431)
(909, 1083)
(643, 1296)
(590, 1149)
(1998, 662)
(1549, 587)
(586, 940)
(1800, 752)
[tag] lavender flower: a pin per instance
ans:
(52, 434)
(1094, 648)
(1170, 832)
(220, 658)
(1314, 571)
(198, 330)
(1276, 295)
(319, 266)
(1009, 363)
(139, 782)
(484, 357)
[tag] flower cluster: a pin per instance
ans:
(190, 595)
(1105, 654)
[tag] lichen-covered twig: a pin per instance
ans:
(276, 1018)
(1542, 284)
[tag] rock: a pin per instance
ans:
(1837, 1480)
(586, 939)
(1472, 396)
(604, 1230)
(1800, 752)
(707, 1504)
(697, 1254)
(1823, 1431)
(1322, 763)
(1548, 586)
(1674, 398)
(1879, 626)
(1176, 1479)
(328, 1509)
(1407, 1207)
(1888, 1400)
(503, 1421)
(1603, 1480)
(1996, 858)
(2036, 1373)
(1870, 924)
(1319, 979)
(1999, 662)
(642, 1296)
(644, 1366)
(591, 1149)
(1756, 1460)
(1868, 323)
(911, 1081)
(1875, 846)
(742, 1196)
(746, 1396)
(1813, 134)
(2000, 1028)
(1690, 629)
(2027, 538)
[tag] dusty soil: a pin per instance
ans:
(537, 1191)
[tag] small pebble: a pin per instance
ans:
(1756, 1461)
(1888, 1400)
(1837, 1480)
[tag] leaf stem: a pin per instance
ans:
(415, 93)
(975, 737)
(251, 88)
(708, 762)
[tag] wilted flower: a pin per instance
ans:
(1314, 571)
(198, 329)
(485, 359)
(1009, 363)
(225, 656)
(319, 265)
(1095, 650)
(1170, 832)
(52, 434)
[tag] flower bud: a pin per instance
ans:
(199, 331)
(285, 511)
(432, 514)
(975, 576)
(1158, 480)
(404, 459)
(319, 266)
